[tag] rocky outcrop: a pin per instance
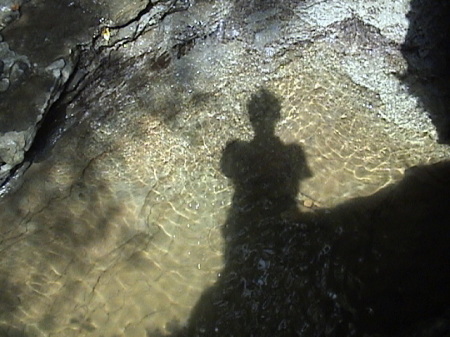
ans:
(427, 51)
(44, 66)
(42, 58)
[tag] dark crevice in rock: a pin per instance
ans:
(53, 127)
(176, 6)
(13, 180)
(100, 42)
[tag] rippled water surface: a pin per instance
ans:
(122, 228)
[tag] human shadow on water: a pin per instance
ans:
(264, 287)
(266, 174)
(373, 266)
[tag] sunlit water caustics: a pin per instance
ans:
(168, 214)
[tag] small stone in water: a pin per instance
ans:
(308, 203)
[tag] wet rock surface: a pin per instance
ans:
(39, 54)
(122, 220)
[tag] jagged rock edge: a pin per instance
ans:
(87, 59)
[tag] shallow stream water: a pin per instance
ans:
(126, 228)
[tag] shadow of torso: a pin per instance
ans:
(258, 237)
(266, 175)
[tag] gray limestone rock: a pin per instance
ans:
(14, 68)
(39, 55)
(12, 145)
(9, 11)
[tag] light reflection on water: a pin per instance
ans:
(123, 229)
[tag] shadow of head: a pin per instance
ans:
(263, 110)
